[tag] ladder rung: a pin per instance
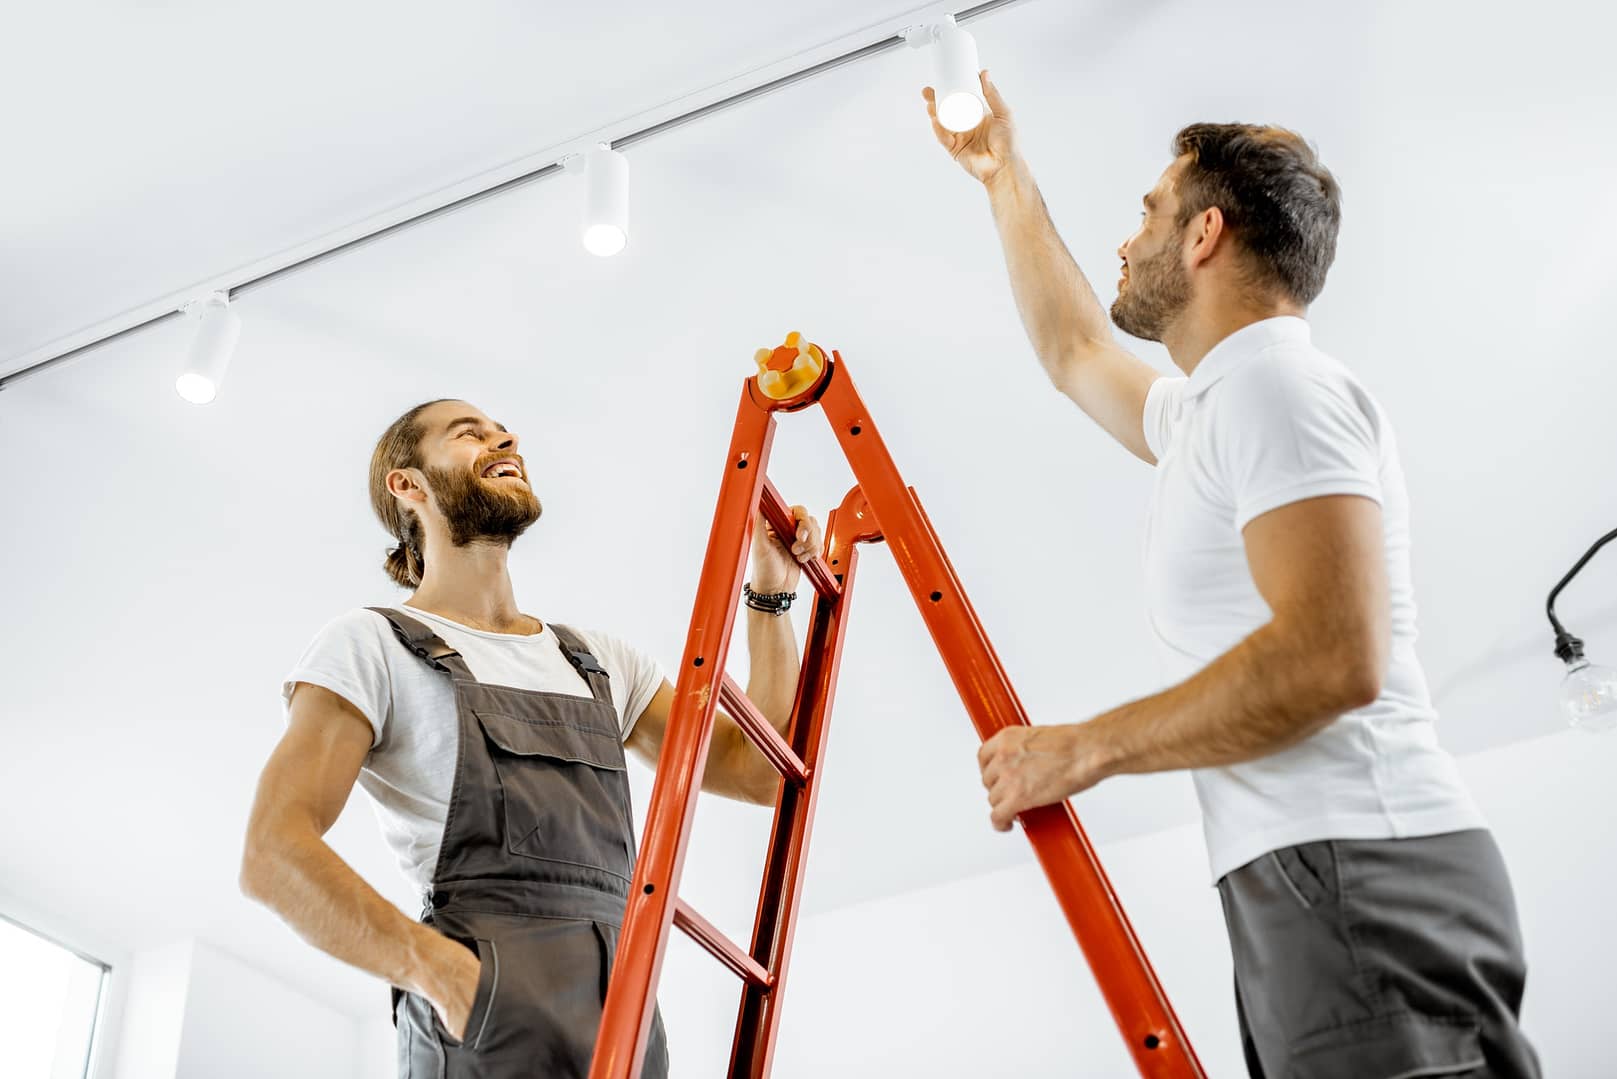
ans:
(720, 946)
(780, 518)
(739, 707)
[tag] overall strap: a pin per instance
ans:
(578, 654)
(433, 649)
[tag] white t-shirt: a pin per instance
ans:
(409, 771)
(1265, 420)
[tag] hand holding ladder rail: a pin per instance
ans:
(791, 378)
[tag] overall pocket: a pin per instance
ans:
(488, 985)
(565, 790)
(543, 1019)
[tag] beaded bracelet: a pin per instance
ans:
(769, 603)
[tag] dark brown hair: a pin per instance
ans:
(1283, 206)
(400, 447)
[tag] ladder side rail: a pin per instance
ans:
(631, 990)
(1140, 1007)
(758, 1019)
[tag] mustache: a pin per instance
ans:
(488, 459)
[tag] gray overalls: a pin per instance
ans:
(533, 874)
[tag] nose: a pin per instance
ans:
(507, 441)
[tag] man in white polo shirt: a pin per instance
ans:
(1371, 919)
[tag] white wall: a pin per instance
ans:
(378, 1052)
(154, 985)
(980, 977)
(245, 1024)
(185, 1009)
(191, 1011)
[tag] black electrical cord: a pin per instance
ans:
(1568, 647)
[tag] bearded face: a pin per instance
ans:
(1154, 293)
(490, 502)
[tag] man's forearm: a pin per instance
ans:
(772, 681)
(772, 686)
(333, 908)
(1058, 307)
(1267, 693)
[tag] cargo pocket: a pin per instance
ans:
(1309, 872)
(1395, 1046)
(565, 790)
(420, 1053)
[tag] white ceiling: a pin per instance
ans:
(164, 565)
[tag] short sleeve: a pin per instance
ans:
(1164, 404)
(1287, 432)
(347, 657)
(635, 676)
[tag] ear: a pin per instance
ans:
(407, 484)
(1204, 233)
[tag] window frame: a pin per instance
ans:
(98, 1013)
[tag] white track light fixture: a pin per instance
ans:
(606, 199)
(959, 89)
(218, 328)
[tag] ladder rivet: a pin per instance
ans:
(697, 662)
(1152, 1041)
(741, 464)
(855, 429)
(650, 888)
(936, 596)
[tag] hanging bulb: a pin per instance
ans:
(1588, 696)
(218, 329)
(606, 201)
(959, 88)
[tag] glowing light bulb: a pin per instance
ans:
(961, 112)
(606, 201)
(959, 87)
(604, 240)
(197, 389)
(218, 330)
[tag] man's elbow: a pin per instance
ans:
(1358, 681)
(250, 877)
(764, 790)
(257, 869)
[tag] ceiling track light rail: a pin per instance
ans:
(619, 144)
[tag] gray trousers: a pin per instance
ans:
(1379, 959)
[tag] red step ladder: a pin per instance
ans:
(795, 377)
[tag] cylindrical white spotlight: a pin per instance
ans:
(218, 328)
(606, 201)
(959, 91)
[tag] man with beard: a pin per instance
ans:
(1371, 919)
(492, 747)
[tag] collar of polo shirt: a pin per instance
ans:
(1243, 343)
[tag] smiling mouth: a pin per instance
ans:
(500, 470)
